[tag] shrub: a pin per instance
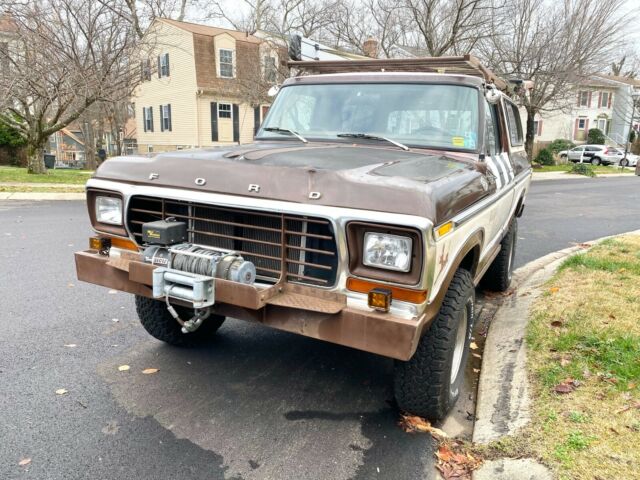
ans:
(545, 157)
(560, 144)
(595, 136)
(585, 169)
(632, 135)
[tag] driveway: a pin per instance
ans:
(256, 404)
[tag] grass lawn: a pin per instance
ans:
(47, 189)
(584, 333)
(20, 175)
(600, 169)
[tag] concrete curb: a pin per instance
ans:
(503, 401)
(41, 196)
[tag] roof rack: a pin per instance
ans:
(464, 65)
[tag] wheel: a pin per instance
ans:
(595, 161)
(624, 162)
(498, 277)
(428, 385)
(159, 323)
(563, 156)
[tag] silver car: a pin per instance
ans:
(594, 154)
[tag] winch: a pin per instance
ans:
(188, 271)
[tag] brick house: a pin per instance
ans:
(202, 86)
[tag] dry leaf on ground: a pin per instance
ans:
(413, 423)
(62, 391)
(473, 346)
(149, 371)
(554, 289)
(123, 368)
(454, 464)
(568, 385)
(24, 462)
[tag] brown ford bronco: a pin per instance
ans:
(375, 198)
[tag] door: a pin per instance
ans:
(576, 153)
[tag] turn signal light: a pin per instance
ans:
(380, 299)
(398, 293)
(101, 244)
(123, 243)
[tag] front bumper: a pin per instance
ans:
(293, 308)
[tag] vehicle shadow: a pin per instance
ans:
(275, 404)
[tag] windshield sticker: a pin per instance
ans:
(457, 141)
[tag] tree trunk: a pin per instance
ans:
(530, 134)
(89, 149)
(35, 153)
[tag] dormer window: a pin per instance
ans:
(226, 63)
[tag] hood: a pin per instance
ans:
(430, 184)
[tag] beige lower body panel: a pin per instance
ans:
(303, 310)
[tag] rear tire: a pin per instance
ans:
(595, 161)
(428, 385)
(624, 162)
(159, 323)
(498, 276)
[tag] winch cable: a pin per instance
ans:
(202, 261)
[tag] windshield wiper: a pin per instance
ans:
(285, 131)
(366, 136)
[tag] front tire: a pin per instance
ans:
(624, 162)
(159, 323)
(428, 385)
(498, 276)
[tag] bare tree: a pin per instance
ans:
(445, 27)
(628, 65)
(67, 55)
(554, 44)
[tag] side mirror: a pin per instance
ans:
(492, 94)
(273, 91)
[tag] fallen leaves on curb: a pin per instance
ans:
(123, 368)
(473, 346)
(413, 423)
(150, 371)
(454, 463)
(568, 385)
(24, 462)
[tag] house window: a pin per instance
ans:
(604, 99)
(150, 148)
(269, 69)
(602, 125)
(163, 65)
(226, 63)
(147, 118)
(582, 123)
(583, 99)
(224, 110)
(165, 118)
(536, 127)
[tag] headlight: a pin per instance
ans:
(109, 210)
(392, 252)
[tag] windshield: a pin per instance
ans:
(420, 115)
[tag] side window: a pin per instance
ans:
(492, 135)
(515, 127)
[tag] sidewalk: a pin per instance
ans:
(53, 191)
(541, 176)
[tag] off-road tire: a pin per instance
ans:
(498, 277)
(423, 385)
(159, 323)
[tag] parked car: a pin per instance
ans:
(366, 212)
(594, 154)
(631, 160)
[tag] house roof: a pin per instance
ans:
(211, 31)
(634, 82)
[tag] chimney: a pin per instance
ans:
(370, 47)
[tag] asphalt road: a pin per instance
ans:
(255, 404)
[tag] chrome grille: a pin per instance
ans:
(301, 249)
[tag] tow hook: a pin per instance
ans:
(200, 315)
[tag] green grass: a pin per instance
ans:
(20, 175)
(600, 169)
(584, 331)
(35, 188)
